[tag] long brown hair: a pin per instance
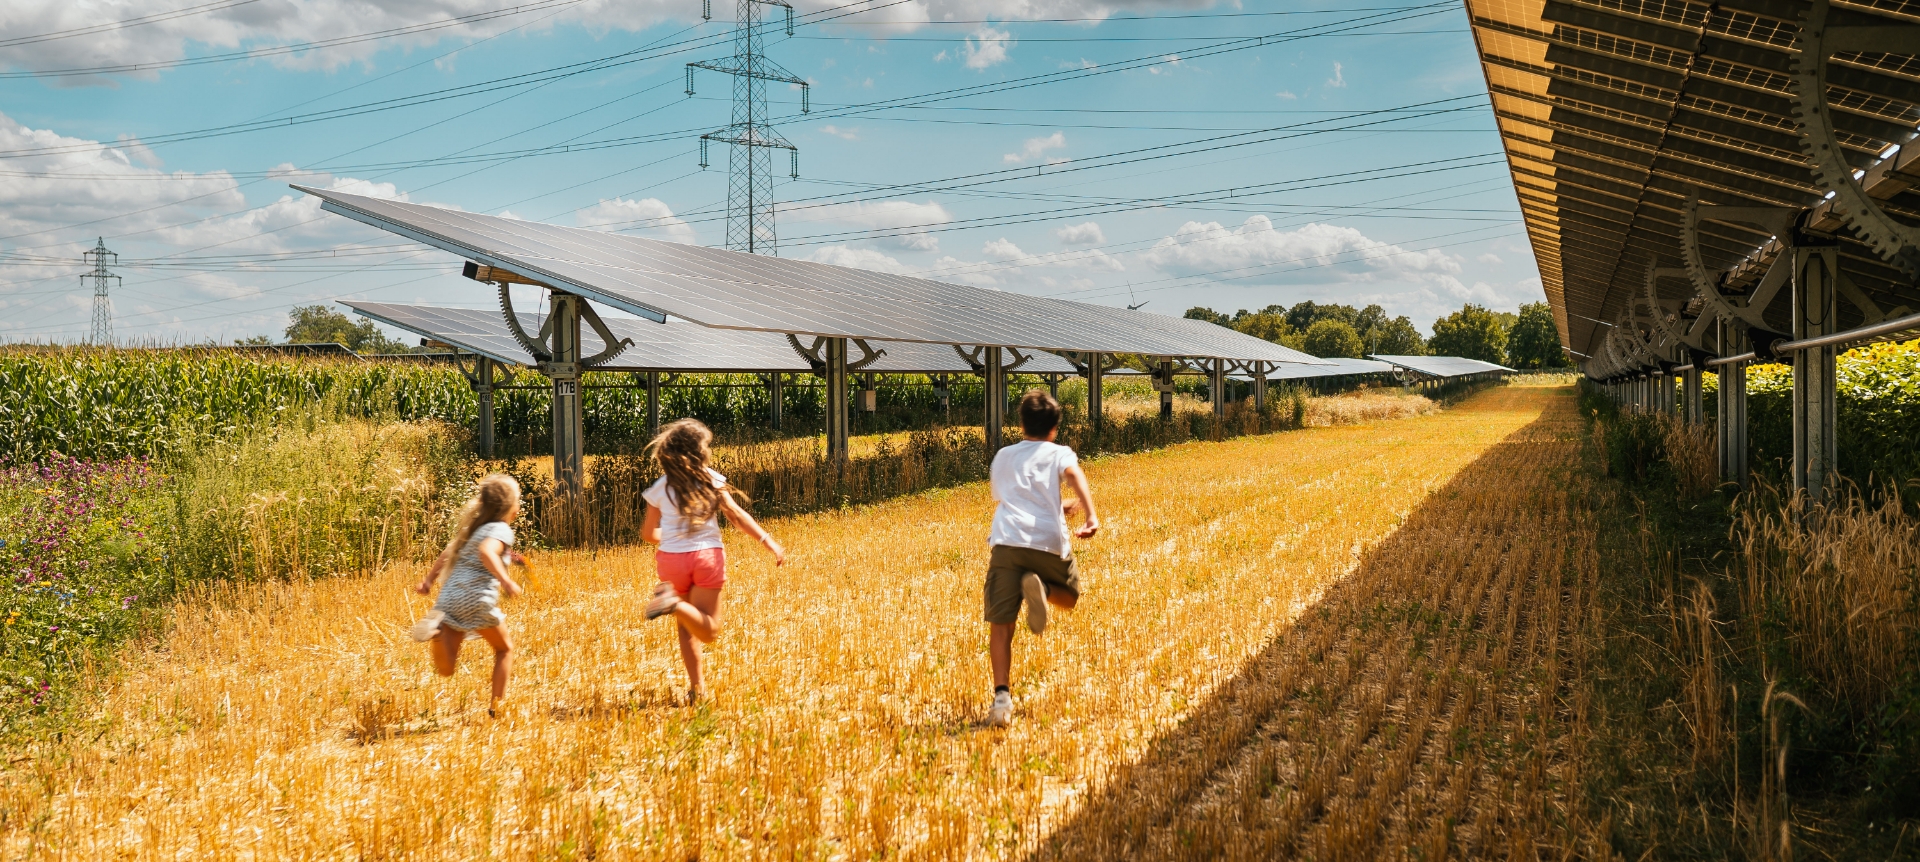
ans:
(682, 449)
(493, 497)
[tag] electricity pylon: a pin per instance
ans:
(102, 306)
(750, 162)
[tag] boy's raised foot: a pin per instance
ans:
(1001, 713)
(1035, 593)
(663, 602)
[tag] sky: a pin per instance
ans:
(1167, 153)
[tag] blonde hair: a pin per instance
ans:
(493, 497)
(682, 449)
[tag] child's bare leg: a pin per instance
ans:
(698, 616)
(445, 648)
(1000, 651)
(699, 613)
(496, 637)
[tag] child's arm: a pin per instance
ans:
(1077, 480)
(747, 524)
(491, 557)
(433, 572)
(650, 525)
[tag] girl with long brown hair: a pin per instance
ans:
(469, 604)
(683, 517)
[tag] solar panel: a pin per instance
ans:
(1339, 368)
(676, 346)
(734, 290)
(1442, 366)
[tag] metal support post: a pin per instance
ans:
(1695, 413)
(1217, 393)
(869, 397)
(483, 393)
(1732, 418)
(1166, 390)
(653, 402)
(776, 402)
(1260, 387)
(1815, 313)
(943, 389)
(996, 399)
(1096, 370)
(569, 440)
(836, 399)
(1053, 386)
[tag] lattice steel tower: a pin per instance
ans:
(750, 162)
(102, 306)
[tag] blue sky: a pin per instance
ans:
(1135, 153)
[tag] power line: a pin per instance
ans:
(124, 23)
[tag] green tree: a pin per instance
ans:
(1269, 327)
(1329, 339)
(1199, 312)
(318, 324)
(1534, 341)
(1472, 332)
(1396, 337)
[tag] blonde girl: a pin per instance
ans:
(683, 517)
(469, 604)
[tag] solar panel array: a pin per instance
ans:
(1612, 113)
(735, 290)
(1442, 366)
(1339, 368)
(675, 346)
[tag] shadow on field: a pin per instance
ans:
(1315, 738)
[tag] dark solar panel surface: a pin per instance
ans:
(1339, 368)
(675, 346)
(733, 290)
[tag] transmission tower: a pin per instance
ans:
(750, 161)
(102, 306)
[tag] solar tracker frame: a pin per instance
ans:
(734, 290)
(674, 347)
(1443, 367)
(1340, 368)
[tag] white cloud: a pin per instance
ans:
(1035, 148)
(1168, 62)
(1086, 233)
(906, 219)
(858, 258)
(986, 47)
(1339, 79)
(267, 25)
(650, 217)
(940, 57)
(1286, 95)
(1488, 258)
(1310, 254)
(842, 134)
(1004, 261)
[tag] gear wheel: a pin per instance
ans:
(1893, 240)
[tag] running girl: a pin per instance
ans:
(683, 517)
(469, 604)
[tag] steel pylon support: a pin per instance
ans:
(750, 226)
(102, 303)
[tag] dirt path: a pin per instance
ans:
(1188, 708)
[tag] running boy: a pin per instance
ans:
(1032, 557)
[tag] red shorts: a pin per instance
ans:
(703, 568)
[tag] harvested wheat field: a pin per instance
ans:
(1345, 643)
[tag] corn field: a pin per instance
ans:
(1345, 642)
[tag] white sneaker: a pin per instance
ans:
(1001, 713)
(428, 626)
(1035, 593)
(664, 601)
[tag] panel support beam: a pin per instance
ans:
(1732, 402)
(1217, 393)
(569, 439)
(653, 403)
(1816, 312)
(776, 399)
(836, 399)
(1165, 385)
(1096, 403)
(995, 421)
(1690, 386)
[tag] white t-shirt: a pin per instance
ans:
(1026, 482)
(677, 536)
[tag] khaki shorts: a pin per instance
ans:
(1009, 565)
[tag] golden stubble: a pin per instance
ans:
(296, 720)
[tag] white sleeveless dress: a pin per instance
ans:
(470, 599)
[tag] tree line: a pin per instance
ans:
(1527, 340)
